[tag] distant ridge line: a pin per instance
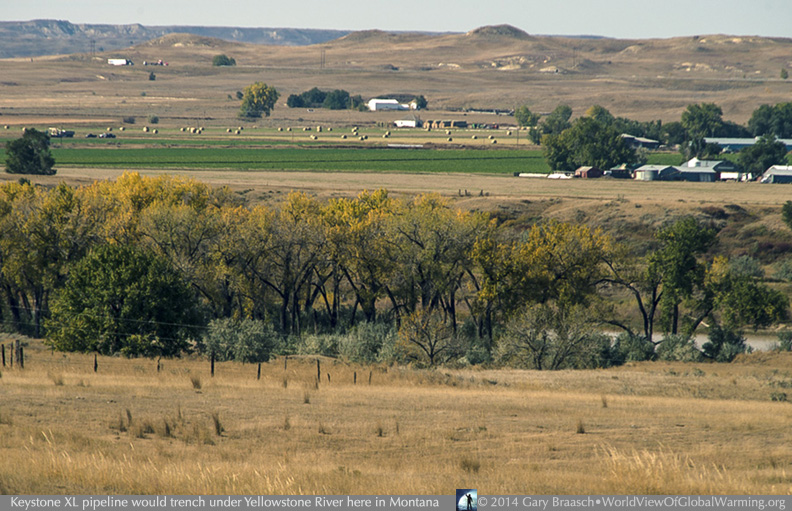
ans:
(58, 37)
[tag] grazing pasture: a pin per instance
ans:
(642, 428)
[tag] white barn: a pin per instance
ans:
(410, 121)
(377, 104)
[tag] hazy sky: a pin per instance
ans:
(612, 18)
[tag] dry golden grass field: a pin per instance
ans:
(642, 428)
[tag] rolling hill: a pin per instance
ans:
(490, 67)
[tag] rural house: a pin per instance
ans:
(716, 165)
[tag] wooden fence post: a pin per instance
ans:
(96, 363)
(3, 350)
(354, 378)
(328, 377)
(318, 371)
(369, 377)
(213, 361)
(285, 362)
(258, 374)
(21, 358)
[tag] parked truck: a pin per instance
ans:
(59, 133)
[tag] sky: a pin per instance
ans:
(634, 19)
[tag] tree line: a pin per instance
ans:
(162, 266)
(594, 138)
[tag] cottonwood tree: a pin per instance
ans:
(30, 154)
(670, 274)
(587, 142)
(766, 152)
(257, 99)
(362, 251)
(525, 117)
(702, 120)
(43, 232)
(119, 299)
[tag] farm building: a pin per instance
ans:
(588, 172)
(777, 174)
(378, 105)
(736, 176)
(640, 142)
(735, 144)
(410, 121)
(716, 165)
(654, 172)
(699, 175)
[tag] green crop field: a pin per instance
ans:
(388, 160)
(306, 158)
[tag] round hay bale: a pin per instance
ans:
(494, 141)
(319, 129)
(5, 127)
(228, 130)
(288, 129)
(448, 132)
(109, 128)
(343, 137)
(306, 129)
(508, 133)
(241, 128)
(145, 129)
(474, 137)
(280, 129)
(387, 133)
(314, 137)
(237, 132)
(181, 129)
(362, 138)
(450, 139)
(329, 129)
(155, 131)
(490, 137)
(121, 128)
